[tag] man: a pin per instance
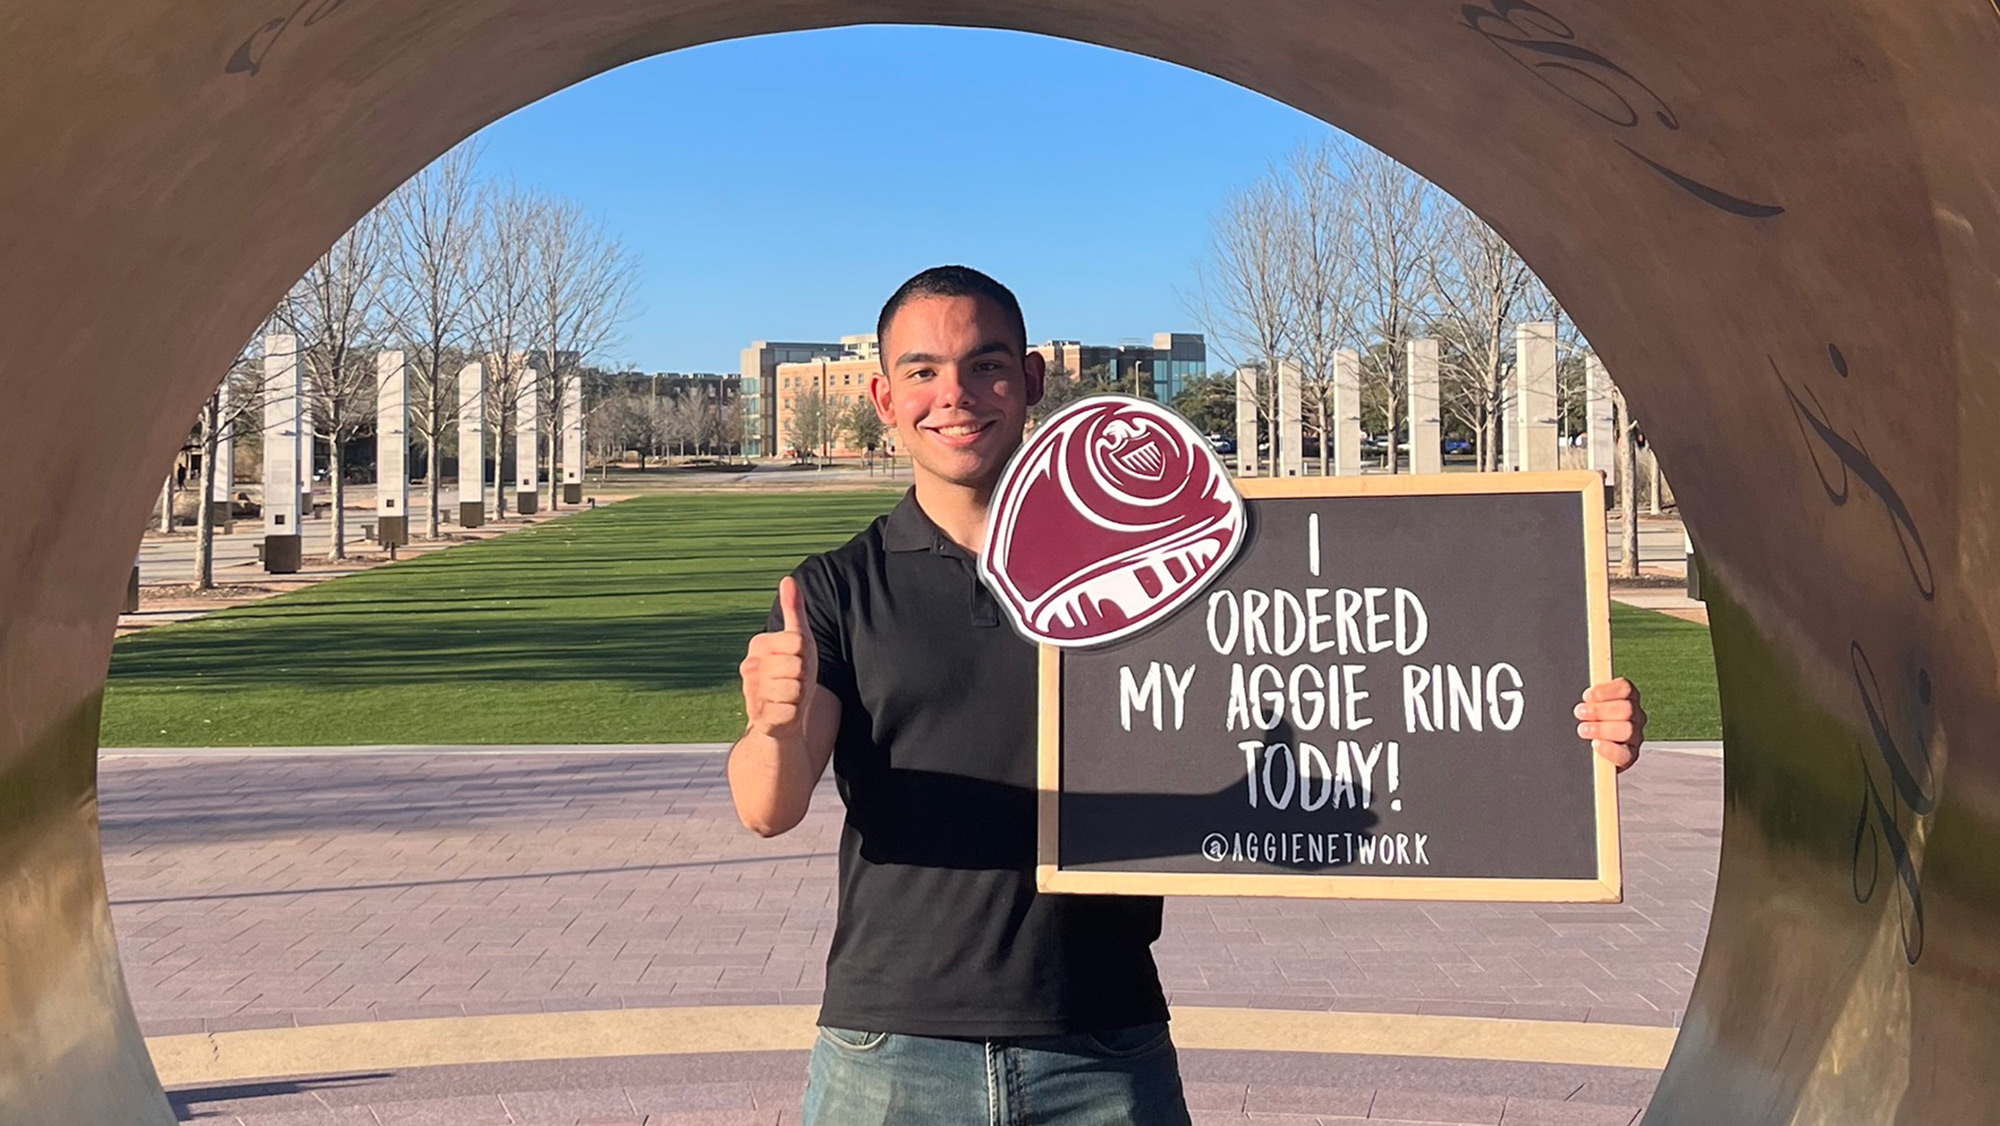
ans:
(955, 993)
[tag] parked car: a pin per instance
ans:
(1458, 445)
(1221, 444)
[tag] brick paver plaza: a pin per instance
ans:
(255, 892)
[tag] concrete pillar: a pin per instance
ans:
(1535, 427)
(222, 510)
(1426, 418)
(572, 440)
(1628, 492)
(1246, 421)
(1290, 451)
(471, 445)
(392, 449)
(527, 434)
(283, 420)
(1600, 420)
(1346, 413)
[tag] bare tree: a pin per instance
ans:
(1241, 299)
(811, 423)
(683, 424)
(1482, 289)
(1318, 271)
(336, 312)
(718, 427)
(609, 430)
(862, 426)
(640, 422)
(436, 218)
(1396, 227)
(237, 398)
(1060, 387)
(581, 280)
(500, 313)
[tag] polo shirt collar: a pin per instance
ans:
(910, 528)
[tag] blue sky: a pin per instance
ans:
(778, 188)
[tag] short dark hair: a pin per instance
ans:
(953, 281)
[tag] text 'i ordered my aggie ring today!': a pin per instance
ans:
(1311, 660)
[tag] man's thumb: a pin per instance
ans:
(792, 604)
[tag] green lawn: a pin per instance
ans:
(1671, 662)
(623, 624)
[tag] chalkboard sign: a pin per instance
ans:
(1373, 700)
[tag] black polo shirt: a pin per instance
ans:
(940, 931)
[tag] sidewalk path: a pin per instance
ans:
(270, 892)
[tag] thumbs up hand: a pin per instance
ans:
(781, 671)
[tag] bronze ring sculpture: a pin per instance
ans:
(1779, 222)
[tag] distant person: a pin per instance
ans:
(954, 992)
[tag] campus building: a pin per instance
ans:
(1160, 370)
(757, 395)
(694, 386)
(838, 374)
(840, 385)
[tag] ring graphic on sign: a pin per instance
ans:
(1215, 846)
(1113, 514)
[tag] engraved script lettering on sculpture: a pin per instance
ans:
(1889, 815)
(1546, 47)
(250, 54)
(1879, 825)
(1852, 461)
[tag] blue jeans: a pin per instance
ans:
(1121, 1077)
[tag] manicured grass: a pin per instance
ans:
(620, 625)
(624, 624)
(1671, 662)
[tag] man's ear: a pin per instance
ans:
(878, 395)
(1036, 369)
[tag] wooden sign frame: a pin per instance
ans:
(1606, 887)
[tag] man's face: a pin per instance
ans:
(957, 387)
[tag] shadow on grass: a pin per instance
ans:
(325, 650)
(645, 595)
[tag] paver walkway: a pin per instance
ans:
(259, 892)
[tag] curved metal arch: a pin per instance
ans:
(1774, 218)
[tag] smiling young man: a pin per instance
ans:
(954, 992)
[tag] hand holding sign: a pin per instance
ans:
(1613, 721)
(781, 670)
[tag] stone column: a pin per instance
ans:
(392, 449)
(1246, 421)
(1346, 413)
(1290, 451)
(282, 418)
(1535, 432)
(221, 509)
(1426, 422)
(527, 433)
(1600, 420)
(572, 440)
(472, 446)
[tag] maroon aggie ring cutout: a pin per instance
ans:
(1113, 514)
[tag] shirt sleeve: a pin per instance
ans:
(827, 619)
